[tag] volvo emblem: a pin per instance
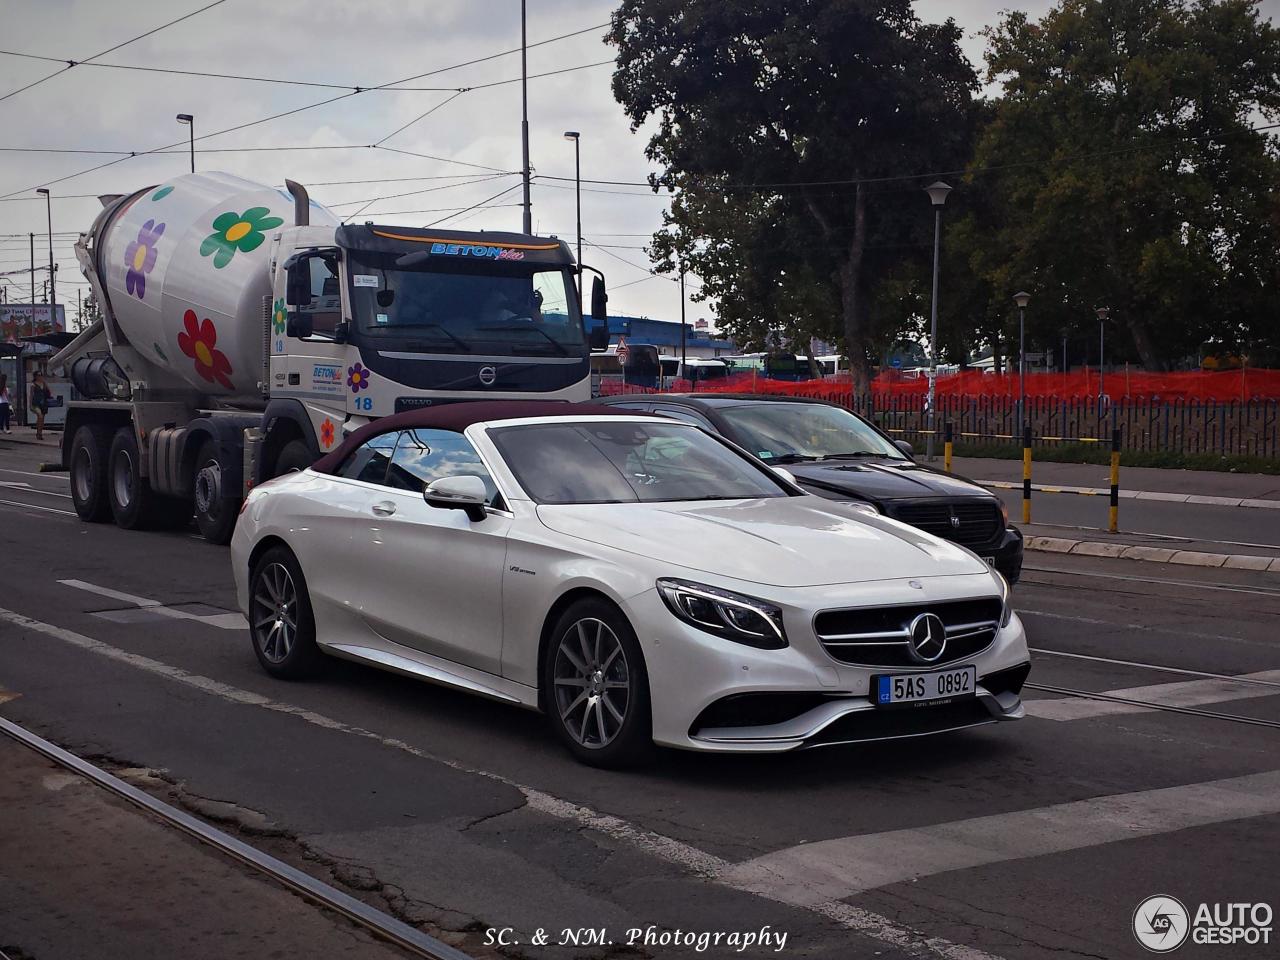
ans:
(928, 638)
(488, 375)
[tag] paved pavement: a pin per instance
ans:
(86, 875)
(1034, 839)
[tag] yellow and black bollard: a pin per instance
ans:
(1114, 524)
(1026, 473)
(948, 446)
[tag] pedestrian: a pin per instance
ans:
(40, 396)
(6, 407)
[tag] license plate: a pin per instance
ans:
(989, 561)
(906, 689)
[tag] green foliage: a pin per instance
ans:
(758, 106)
(1147, 191)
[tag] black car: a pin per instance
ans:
(836, 454)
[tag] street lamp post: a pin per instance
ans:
(1022, 298)
(937, 196)
(190, 121)
(524, 114)
(577, 179)
(1103, 313)
(683, 335)
(53, 295)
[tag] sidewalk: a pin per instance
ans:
(27, 435)
(1142, 483)
(86, 875)
(1046, 538)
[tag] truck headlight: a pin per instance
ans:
(734, 616)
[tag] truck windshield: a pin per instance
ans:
(486, 308)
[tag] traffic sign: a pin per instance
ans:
(623, 350)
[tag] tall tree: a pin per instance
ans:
(1124, 171)
(778, 122)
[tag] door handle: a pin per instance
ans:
(384, 509)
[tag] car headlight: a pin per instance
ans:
(1004, 512)
(1006, 604)
(733, 616)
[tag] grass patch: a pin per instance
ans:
(1101, 454)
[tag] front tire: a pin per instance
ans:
(281, 625)
(294, 456)
(88, 468)
(596, 687)
(215, 514)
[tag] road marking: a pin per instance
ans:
(30, 473)
(1184, 693)
(673, 851)
(36, 506)
(28, 488)
(1153, 666)
(226, 621)
(1194, 584)
(1093, 621)
(835, 869)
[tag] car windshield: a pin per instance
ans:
(624, 461)
(485, 307)
(804, 431)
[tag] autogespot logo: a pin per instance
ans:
(1161, 923)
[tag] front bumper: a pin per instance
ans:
(711, 694)
(1007, 552)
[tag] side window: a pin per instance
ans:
(326, 299)
(368, 462)
(426, 455)
(688, 416)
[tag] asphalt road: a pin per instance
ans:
(1032, 839)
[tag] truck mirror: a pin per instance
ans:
(599, 300)
(598, 337)
(298, 283)
(299, 325)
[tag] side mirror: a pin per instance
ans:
(458, 493)
(599, 300)
(905, 447)
(297, 292)
(598, 337)
(299, 325)
(786, 475)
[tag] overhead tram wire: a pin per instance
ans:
(311, 106)
(421, 116)
(86, 60)
(483, 203)
(394, 86)
(413, 193)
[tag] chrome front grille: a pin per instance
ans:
(970, 523)
(881, 636)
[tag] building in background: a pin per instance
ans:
(21, 354)
(700, 343)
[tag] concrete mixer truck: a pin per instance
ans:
(245, 330)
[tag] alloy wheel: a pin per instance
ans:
(592, 683)
(275, 612)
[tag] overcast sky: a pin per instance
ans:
(354, 44)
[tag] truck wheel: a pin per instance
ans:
(294, 457)
(215, 514)
(132, 503)
(89, 472)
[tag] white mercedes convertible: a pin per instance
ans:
(634, 578)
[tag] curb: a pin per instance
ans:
(1121, 551)
(1140, 495)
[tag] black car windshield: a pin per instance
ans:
(625, 461)
(804, 431)
(489, 307)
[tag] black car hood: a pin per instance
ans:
(883, 479)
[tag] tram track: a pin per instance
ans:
(380, 924)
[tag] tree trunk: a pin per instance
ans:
(996, 354)
(1151, 356)
(857, 336)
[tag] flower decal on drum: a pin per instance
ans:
(279, 317)
(140, 258)
(357, 378)
(162, 193)
(326, 433)
(198, 342)
(237, 231)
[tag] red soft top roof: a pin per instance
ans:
(458, 416)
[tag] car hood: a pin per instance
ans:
(884, 479)
(784, 542)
